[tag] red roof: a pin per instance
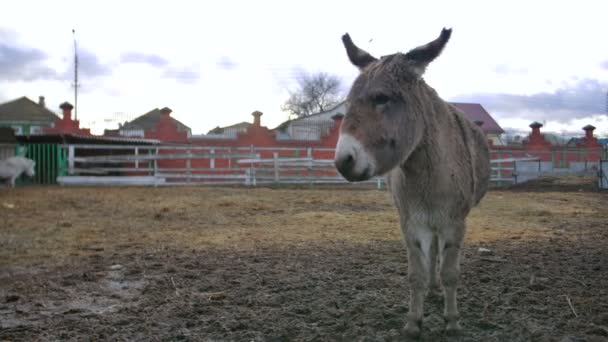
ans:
(476, 112)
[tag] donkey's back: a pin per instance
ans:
(474, 153)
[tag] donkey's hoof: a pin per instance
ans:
(412, 329)
(453, 328)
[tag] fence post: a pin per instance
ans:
(212, 159)
(275, 156)
(309, 155)
(137, 160)
(499, 169)
(156, 168)
(71, 154)
(188, 165)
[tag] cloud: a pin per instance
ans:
(604, 64)
(29, 64)
(89, 65)
(7, 34)
(226, 63)
(585, 98)
(150, 59)
(24, 64)
(505, 69)
(184, 74)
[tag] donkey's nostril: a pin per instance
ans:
(345, 163)
(349, 160)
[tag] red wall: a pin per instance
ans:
(66, 125)
(256, 135)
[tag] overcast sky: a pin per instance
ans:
(214, 63)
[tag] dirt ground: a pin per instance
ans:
(285, 264)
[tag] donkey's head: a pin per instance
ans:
(384, 121)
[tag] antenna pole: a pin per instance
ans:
(75, 76)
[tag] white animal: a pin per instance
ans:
(11, 168)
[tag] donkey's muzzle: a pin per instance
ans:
(352, 160)
(347, 166)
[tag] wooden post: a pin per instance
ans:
(189, 166)
(71, 154)
(156, 167)
(212, 161)
(309, 155)
(136, 160)
(275, 156)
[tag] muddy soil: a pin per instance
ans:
(547, 282)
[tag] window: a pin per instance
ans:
(35, 130)
(17, 129)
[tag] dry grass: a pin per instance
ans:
(54, 225)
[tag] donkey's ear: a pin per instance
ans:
(421, 56)
(358, 57)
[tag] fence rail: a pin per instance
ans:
(190, 165)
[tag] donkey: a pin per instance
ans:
(436, 162)
(11, 168)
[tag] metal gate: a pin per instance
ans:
(51, 162)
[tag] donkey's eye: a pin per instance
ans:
(380, 99)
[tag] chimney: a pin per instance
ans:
(536, 128)
(337, 119)
(589, 132)
(166, 111)
(256, 118)
(67, 110)
(41, 101)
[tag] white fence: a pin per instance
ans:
(251, 166)
(190, 165)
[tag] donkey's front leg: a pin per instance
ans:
(450, 241)
(418, 241)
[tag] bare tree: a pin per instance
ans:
(315, 93)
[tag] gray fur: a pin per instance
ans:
(436, 161)
(11, 168)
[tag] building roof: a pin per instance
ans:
(473, 111)
(84, 139)
(149, 121)
(239, 126)
(575, 141)
(325, 115)
(24, 109)
(476, 112)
